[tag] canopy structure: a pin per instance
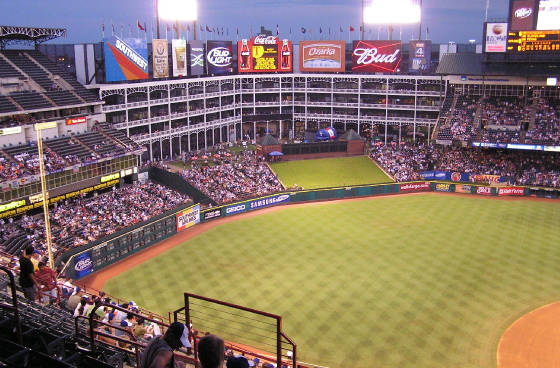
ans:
(276, 153)
(28, 35)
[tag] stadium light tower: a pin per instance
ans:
(392, 12)
(177, 11)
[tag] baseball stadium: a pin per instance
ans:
(309, 201)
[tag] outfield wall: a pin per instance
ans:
(102, 253)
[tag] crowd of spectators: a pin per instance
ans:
(406, 161)
(27, 163)
(82, 220)
(546, 129)
(225, 177)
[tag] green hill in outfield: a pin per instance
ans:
(423, 281)
(329, 172)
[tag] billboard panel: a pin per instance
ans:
(496, 37)
(420, 56)
(197, 57)
(264, 54)
(160, 58)
(322, 56)
(179, 57)
(549, 15)
(125, 59)
(522, 15)
(74, 121)
(376, 56)
(219, 57)
(188, 218)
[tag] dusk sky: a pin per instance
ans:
(447, 20)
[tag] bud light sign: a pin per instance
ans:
(83, 265)
(376, 56)
(219, 56)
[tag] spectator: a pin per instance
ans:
(211, 351)
(74, 299)
(82, 308)
(159, 352)
(46, 278)
(27, 279)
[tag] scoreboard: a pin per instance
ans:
(545, 42)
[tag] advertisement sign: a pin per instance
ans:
(197, 57)
(420, 56)
(488, 178)
(11, 130)
(264, 54)
(549, 15)
(484, 190)
(236, 208)
(443, 187)
(125, 59)
(269, 201)
(463, 189)
(209, 215)
(74, 121)
(160, 58)
(511, 191)
(522, 15)
(219, 57)
(83, 265)
(415, 187)
(188, 218)
(322, 56)
(496, 37)
(376, 56)
(179, 57)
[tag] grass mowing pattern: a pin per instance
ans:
(329, 172)
(410, 281)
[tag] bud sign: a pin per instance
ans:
(264, 54)
(219, 56)
(376, 56)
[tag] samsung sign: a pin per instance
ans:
(269, 201)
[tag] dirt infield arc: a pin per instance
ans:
(532, 341)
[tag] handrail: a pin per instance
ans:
(14, 306)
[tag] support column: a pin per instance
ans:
(385, 132)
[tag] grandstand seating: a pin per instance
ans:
(63, 98)
(49, 337)
(8, 71)
(6, 105)
(19, 58)
(31, 100)
(70, 149)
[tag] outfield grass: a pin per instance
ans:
(410, 281)
(329, 172)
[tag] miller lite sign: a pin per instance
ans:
(376, 56)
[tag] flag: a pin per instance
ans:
(341, 30)
(320, 30)
(175, 29)
(188, 28)
(112, 28)
(140, 26)
(277, 31)
(303, 30)
(352, 29)
(361, 28)
(201, 29)
(208, 29)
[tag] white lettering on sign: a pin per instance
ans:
(131, 54)
(372, 55)
(220, 57)
(265, 40)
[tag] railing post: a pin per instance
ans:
(279, 342)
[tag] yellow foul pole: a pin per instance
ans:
(44, 192)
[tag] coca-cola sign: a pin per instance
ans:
(265, 40)
(219, 57)
(376, 56)
(322, 56)
(264, 54)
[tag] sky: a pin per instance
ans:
(447, 20)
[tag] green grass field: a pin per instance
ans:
(329, 172)
(410, 281)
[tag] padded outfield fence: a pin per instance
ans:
(95, 256)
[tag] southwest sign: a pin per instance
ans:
(125, 59)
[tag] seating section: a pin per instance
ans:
(80, 221)
(19, 58)
(31, 100)
(546, 129)
(71, 150)
(8, 71)
(6, 105)
(63, 98)
(103, 146)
